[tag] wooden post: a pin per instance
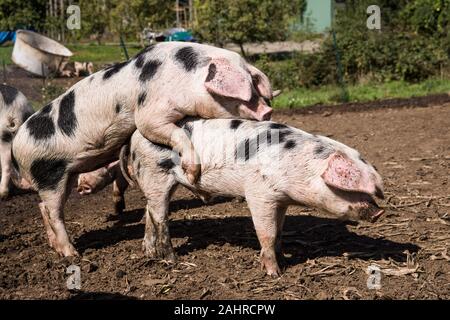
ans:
(62, 21)
(51, 17)
(191, 13)
(177, 9)
(4, 72)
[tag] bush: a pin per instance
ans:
(403, 50)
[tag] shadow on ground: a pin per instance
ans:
(305, 237)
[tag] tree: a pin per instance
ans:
(95, 18)
(132, 16)
(244, 21)
(429, 17)
(16, 14)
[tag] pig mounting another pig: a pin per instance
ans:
(85, 128)
(270, 164)
(14, 110)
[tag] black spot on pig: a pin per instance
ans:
(6, 137)
(141, 98)
(322, 151)
(235, 124)
(118, 107)
(290, 144)
(166, 164)
(8, 93)
(47, 109)
(283, 134)
(67, 121)
(212, 70)
(26, 115)
(188, 57)
(265, 137)
(279, 126)
(112, 70)
(140, 57)
(47, 173)
(362, 159)
(188, 128)
(138, 173)
(133, 156)
(139, 63)
(149, 70)
(243, 150)
(268, 102)
(40, 125)
(249, 147)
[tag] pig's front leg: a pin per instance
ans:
(162, 129)
(157, 243)
(5, 163)
(265, 218)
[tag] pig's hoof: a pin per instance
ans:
(4, 195)
(274, 273)
(149, 252)
(161, 253)
(169, 256)
(67, 251)
(271, 267)
(119, 208)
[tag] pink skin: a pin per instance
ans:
(343, 175)
(345, 187)
(95, 181)
(112, 103)
(338, 181)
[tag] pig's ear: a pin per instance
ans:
(261, 82)
(342, 173)
(227, 80)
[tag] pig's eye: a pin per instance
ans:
(268, 102)
(11, 124)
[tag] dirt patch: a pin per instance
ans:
(33, 86)
(217, 247)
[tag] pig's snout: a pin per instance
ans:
(258, 110)
(84, 189)
(263, 112)
(368, 211)
(267, 114)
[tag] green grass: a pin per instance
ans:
(5, 54)
(102, 54)
(99, 55)
(361, 93)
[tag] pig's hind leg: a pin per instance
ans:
(265, 215)
(52, 210)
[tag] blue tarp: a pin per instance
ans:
(7, 36)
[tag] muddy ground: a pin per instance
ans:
(217, 247)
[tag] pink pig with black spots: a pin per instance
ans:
(271, 165)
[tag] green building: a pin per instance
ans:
(319, 14)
